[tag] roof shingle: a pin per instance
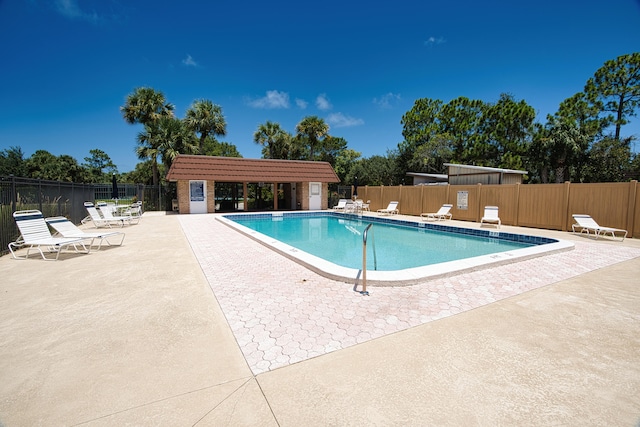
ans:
(235, 169)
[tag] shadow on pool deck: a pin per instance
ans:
(134, 335)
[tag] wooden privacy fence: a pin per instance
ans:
(547, 206)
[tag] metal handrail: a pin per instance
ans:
(364, 258)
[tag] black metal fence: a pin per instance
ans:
(54, 198)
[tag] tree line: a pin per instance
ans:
(97, 168)
(581, 142)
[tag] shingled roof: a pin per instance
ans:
(235, 169)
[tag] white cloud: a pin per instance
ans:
(71, 10)
(431, 41)
(273, 99)
(339, 120)
(189, 61)
(387, 100)
(301, 103)
(322, 102)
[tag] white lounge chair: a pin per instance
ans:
(354, 207)
(95, 217)
(391, 209)
(442, 214)
(35, 234)
(107, 213)
(586, 224)
(342, 203)
(66, 228)
(491, 216)
(135, 210)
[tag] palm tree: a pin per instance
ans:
(145, 105)
(165, 139)
(314, 129)
(175, 138)
(205, 118)
(270, 135)
(147, 149)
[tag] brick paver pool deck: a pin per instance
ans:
(192, 323)
(306, 315)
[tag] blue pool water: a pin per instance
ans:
(398, 245)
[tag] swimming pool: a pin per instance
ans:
(398, 251)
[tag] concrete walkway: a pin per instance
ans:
(190, 323)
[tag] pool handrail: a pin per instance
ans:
(364, 258)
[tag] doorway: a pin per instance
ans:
(315, 196)
(197, 197)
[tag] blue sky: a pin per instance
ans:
(68, 65)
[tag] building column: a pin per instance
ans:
(275, 196)
(244, 194)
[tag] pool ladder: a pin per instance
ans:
(364, 257)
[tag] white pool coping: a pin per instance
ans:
(403, 277)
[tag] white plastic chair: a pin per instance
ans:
(491, 216)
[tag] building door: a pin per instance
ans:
(315, 196)
(197, 197)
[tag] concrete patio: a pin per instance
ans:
(191, 323)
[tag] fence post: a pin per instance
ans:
(14, 195)
(517, 223)
(479, 207)
(58, 207)
(631, 209)
(565, 219)
(40, 195)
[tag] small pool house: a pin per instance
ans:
(208, 184)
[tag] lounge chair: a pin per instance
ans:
(491, 216)
(354, 207)
(35, 234)
(135, 210)
(586, 224)
(107, 213)
(342, 203)
(66, 228)
(442, 214)
(391, 209)
(95, 217)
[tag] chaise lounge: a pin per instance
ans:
(107, 213)
(586, 224)
(391, 209)
(66, 228)
(35, 235)
(442, 214)
(342, 203)
(95, 217)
